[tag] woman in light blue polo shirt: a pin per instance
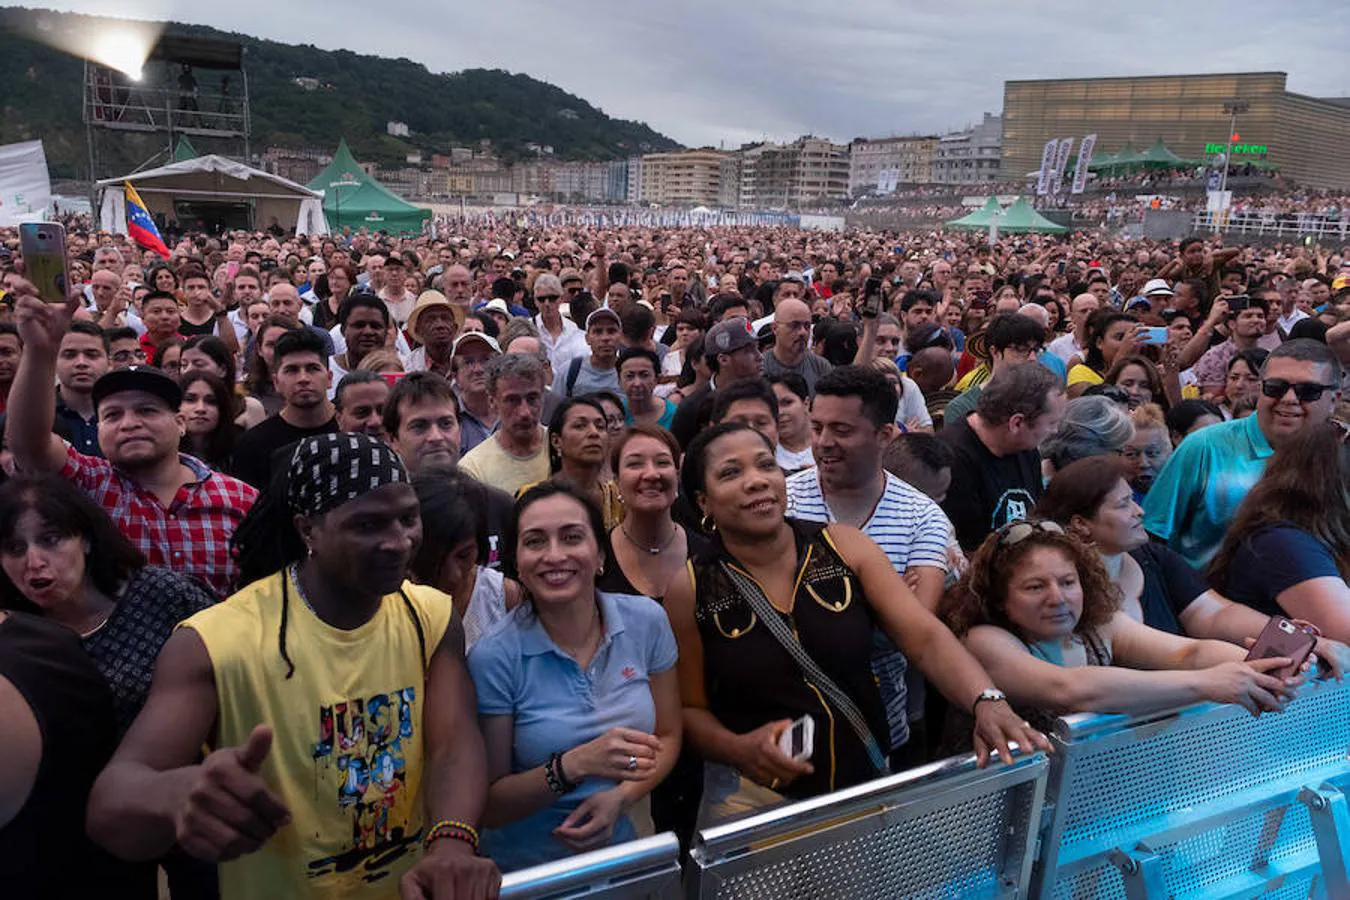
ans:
(577, 692)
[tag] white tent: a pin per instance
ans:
(213, 187)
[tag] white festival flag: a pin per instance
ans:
(1061, 163)
(1080, 172)
(1047, 166)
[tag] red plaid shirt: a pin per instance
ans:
(191, 536)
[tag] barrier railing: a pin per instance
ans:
(945, 830)
(647, 868)
(1202, 802)
(1277, 225)
(1205, 801)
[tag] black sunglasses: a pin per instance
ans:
(549, 297)
(1304, 391)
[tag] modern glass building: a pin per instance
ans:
(1308, 138)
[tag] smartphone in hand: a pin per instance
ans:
(1154, 334)
(872, 297)
(798, 740)
(43, 245)
(1282, 637)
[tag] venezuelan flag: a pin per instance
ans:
(139, 224)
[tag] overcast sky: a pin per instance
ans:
(729, 71)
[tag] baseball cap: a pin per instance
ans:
(604, 312)
(567, 275)
(138, 378)
(475, 336)
(1157, 287)
(728, 336)
(497, 304)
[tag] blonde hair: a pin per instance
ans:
(885, 366)
(381, 361)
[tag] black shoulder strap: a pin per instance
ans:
(573, 370)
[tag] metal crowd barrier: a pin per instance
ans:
(646, 868)
(1202, 802)
(1205, 801)
(945, 830)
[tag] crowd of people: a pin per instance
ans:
(355, 565)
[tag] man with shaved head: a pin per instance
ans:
(791, 350)
(1072, 344)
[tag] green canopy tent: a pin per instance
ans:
(1101, 160)
(1021, 218)
(351, 198)
(980, 218)
(1159, 157)
(1124, 159)
(184, 150)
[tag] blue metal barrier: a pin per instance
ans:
(647, 869)
(1205, 801)
(940, 831)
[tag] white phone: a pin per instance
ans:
(798, 740)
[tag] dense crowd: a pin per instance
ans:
(356, 565)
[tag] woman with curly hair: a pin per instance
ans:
(1040, 613)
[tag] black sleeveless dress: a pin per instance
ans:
(751, 680)
(44, 852)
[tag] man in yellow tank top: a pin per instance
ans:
(346, 760)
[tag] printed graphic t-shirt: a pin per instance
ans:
(347, 753)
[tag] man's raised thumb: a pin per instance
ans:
(255, 750)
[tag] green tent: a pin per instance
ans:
(1158, 156)
(1101, 160)
(1021, 218)
(980, 218)
(184, 150)
(351, 198)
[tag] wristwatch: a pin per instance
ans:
(993, 695)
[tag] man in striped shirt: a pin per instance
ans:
(852, 423)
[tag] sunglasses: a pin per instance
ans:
(547, 297)
(1304, 391)
(1015, 532)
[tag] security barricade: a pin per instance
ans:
(647, 869)
(944, 830)
(1205, 801)
(1202, 802)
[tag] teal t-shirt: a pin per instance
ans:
(1198, 492)
(667, 415)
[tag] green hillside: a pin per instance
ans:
(360, 94)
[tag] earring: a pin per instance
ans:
(707, 525)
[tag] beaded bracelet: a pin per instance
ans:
(558, 782)
(449, 828)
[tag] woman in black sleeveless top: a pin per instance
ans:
(742, 686)
(59, 728)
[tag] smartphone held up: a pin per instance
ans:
(44, 256)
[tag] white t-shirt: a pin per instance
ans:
(912, 404)
(1065, 347)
